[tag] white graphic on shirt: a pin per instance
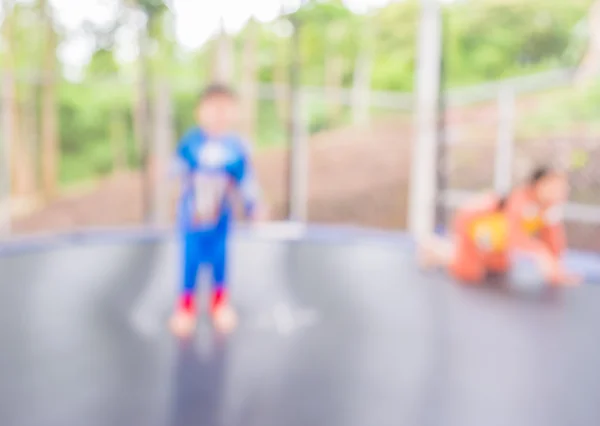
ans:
(213, 155)
(211, 183)
(210, 190)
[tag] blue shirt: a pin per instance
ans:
(212, 170)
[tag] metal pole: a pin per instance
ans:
(424, 155)
(299, 164)
(162, 141)
(5, 154)
(298, 155)
(145, 130)
(361, 90)
(505, 141)
(441, 217)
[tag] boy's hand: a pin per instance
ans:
(260, 214)
(568, 279)
(557, 274)
(549, 267)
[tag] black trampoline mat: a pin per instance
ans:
(331, 334)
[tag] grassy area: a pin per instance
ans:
(564, 111)
(92, 135)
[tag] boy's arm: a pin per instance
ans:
(531, 246)
(249, 188)
(515, 211)
(178, 171)
(553, 233)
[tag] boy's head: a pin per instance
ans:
(550, 186)
(217, 111)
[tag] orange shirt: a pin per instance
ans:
(534, 229)
(490, 232)
(522, 224)
(482, 223)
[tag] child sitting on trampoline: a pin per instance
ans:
(214, 165)
(521, 234)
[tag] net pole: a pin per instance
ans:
(505, 141)
(147, 195)
(441, 215)
(298, 154)
(5, 154)
(162, 144)
(423, 186)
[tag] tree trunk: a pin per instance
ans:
(22, 161)
(590, 65)
(6, 138)
(140, 107)
(223, 65)
(249, 80)
(361, 90)
(334, 73)
(21, 168)
(118, 138)
(49, 145)
(281, 76)
(29, 128)
(163, 140)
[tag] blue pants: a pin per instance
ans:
(205, 249)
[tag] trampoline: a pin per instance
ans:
(338, 328)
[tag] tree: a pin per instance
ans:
(280, 67)
(329, 46)
(152, 11)
(22, 165)
(103, 66)
(50, 146)
(361, 87)
(335, 64)
(249, 77)
(6, 108)
(151, 33)
(590, 65)
(223, 66)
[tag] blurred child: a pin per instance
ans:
(522, 234)
(214, 164)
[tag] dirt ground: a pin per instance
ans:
(358, 175)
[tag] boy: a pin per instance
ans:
(518, 234)
(214, 164)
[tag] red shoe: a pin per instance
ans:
(223, 314)
(183, 321)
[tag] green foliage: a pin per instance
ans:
(563, 110)
(491, 39)
(152, 8)
(484, 40)
(85, 113)
(103, 64)
(270, 132)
